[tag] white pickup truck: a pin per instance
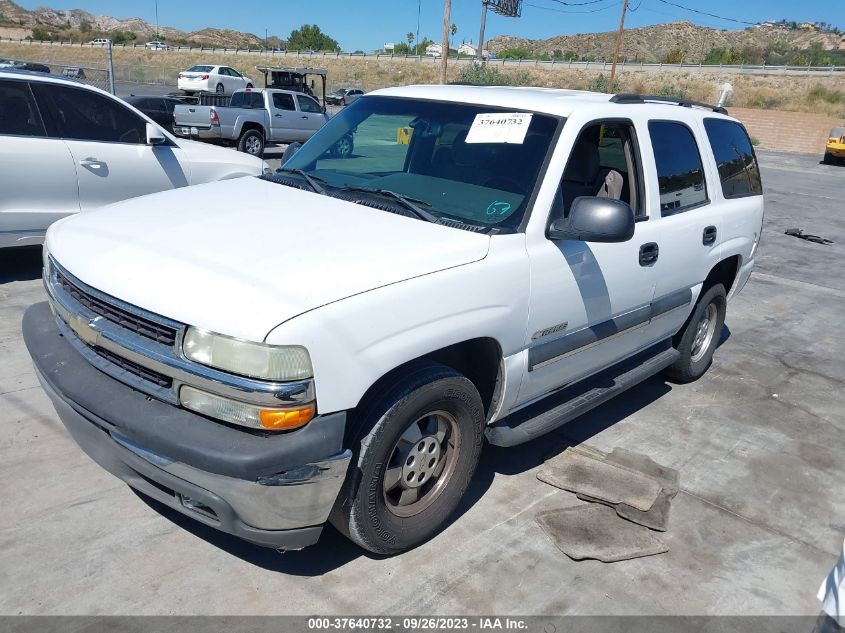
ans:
(253, 118)
(339, 340)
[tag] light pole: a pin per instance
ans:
(156, 20)
(418, 21)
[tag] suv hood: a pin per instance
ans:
(240, 257)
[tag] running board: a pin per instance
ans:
(578, 398)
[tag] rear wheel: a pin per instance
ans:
(251, 142)
(700, 336)
(219, 89)
(249, 86)
(416, 446)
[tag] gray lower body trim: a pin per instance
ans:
(546, 353)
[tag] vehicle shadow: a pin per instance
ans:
(20, 263)
(333, 549)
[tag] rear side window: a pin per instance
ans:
(200, 69)
(247, 100)
(85, 115)
(738, 169)
(680, 175)
(283, 101)
(18, 114)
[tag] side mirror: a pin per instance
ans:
(155, 135)
(595, 220)
(290, 151)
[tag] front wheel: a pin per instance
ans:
(416, 446)
(343, 148)
(252, 142)
(700, 335)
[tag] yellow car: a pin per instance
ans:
(835, 149)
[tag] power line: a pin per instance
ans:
(537, 6)
(578, 4)
(712, 15)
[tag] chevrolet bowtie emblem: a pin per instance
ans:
(85, 329)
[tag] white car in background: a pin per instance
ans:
(207, 78)
(66, 147)
(100, 41)
(156, 45)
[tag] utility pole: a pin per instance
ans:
(156, 20)
(444, 53)
(479, 53)
(419, 8)
(618, 45)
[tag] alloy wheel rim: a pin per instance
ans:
(704, 333)
(252, 145)
(421, 463)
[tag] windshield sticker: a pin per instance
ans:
(506, 127)
(498, 208)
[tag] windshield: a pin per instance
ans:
(472, 163)
(200, 69)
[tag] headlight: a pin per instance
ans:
(253, 416)
(255, 360)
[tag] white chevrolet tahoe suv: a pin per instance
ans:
(338, 341)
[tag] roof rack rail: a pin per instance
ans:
(630, 97)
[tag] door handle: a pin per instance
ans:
(304, 116)
(648, 253)
(278, 116)
(93, 163)
(709, 235)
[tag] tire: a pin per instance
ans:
(219, 89)
(344, 102)
(700, 335)
(424, 427)
(251, 142)
(344, 147)
(249, 86)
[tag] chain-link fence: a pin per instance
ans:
(90, 75)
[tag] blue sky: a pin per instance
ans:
(367, 24)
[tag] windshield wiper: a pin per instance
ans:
(411, 204)
(312, 181)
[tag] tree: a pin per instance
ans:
(675, 56)
(85, 27)
(309, 37)
(410, 38)
(453, 30)
(40, 34)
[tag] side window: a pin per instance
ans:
(18, 114)
(238, 100)
(256, 100)
(738, 169)
(307, 104)
(680, 175)
(283, 101)
(88, 116)
(604, 162)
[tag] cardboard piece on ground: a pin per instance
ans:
(595, 531)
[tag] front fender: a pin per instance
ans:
(356, 341)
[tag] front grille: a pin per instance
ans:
(147, 328)
(135, 369)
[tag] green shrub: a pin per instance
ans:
(486, 75)
(821, 93)
(600, 83)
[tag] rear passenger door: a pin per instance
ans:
(690, 224)
(284, 118)
(37, 179)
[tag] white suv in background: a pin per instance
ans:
(66, 147)
(207, 78)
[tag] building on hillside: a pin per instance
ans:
(469, 49)
(434, 50)
(808, 26)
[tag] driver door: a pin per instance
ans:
(589, 301)
(108, 143)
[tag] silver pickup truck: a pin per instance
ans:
(253, 118)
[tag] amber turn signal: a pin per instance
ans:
(287, 419)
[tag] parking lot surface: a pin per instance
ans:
(758, 442)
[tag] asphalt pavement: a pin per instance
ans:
(758, 442)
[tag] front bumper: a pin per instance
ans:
(273, 490)
(837, 150)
